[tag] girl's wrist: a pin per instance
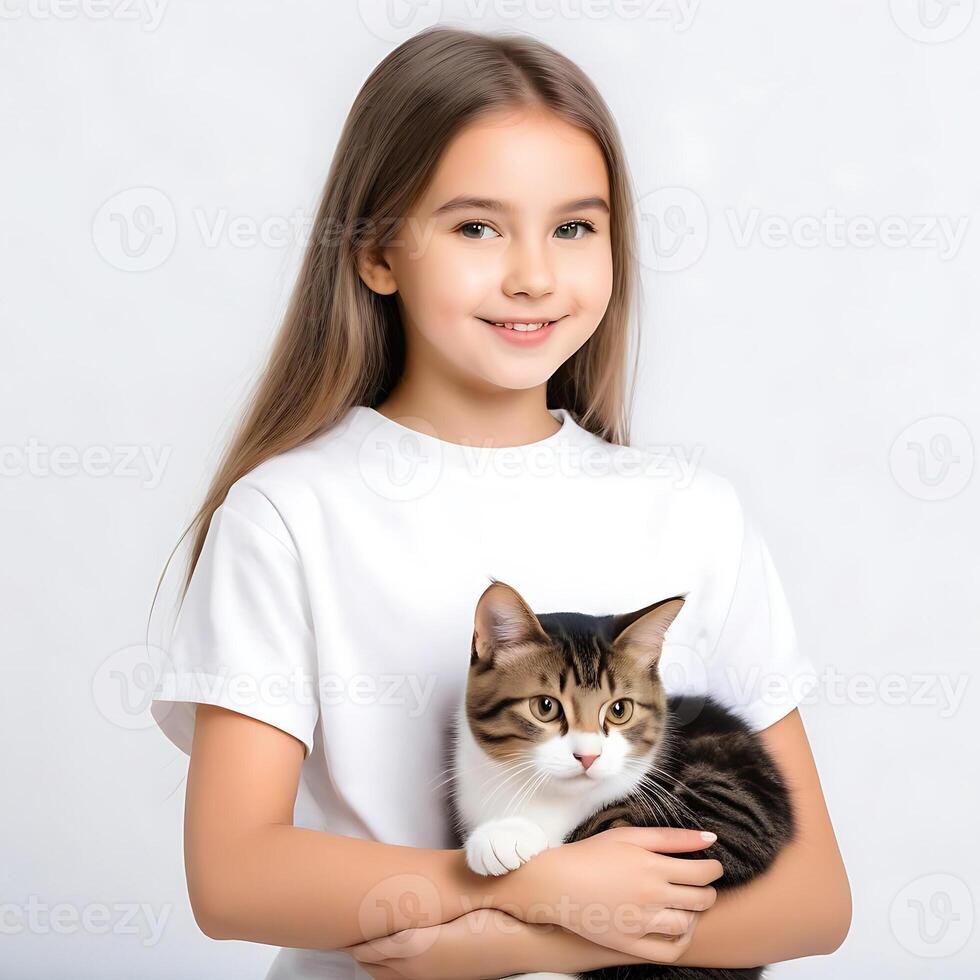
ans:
(509, 945)
(519, 893)
(471, 891)
(532, 892)
(517, 946)
(531, 948)
(468, 891)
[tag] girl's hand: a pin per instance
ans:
(619, 888)
(447, 951)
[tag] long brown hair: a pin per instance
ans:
(340, 343)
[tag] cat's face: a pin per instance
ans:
(577, 698)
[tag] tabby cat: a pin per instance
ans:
(566, 731)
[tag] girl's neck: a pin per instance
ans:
(514, 419)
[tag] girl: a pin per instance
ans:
(445, 403)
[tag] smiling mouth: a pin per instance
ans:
(531, 326)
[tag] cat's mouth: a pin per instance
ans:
(581, 776)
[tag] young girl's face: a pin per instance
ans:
(532, 244)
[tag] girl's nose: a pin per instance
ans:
(530, 272)
(586, 760)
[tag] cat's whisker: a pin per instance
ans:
(523, 786)
(529, 792)
(677, 808)
(645, 779)
(645, 800)
(646, 805)
(509, 776)
(646, 773)
(506, 777)
(667, 814)
(445, 782)
(526, 781)
(453, 772)
(496, 762)
(452, 769)
(540, 785)
(504, 771)
(677, 782)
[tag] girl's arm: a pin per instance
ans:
(484, 944)
(801, 905)
(252, 875)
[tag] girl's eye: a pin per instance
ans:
(561, 232)
(586, 226)
(620, 711)
(545, 708)
(475, 224)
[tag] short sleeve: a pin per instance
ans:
(757, 666)
(243, 638)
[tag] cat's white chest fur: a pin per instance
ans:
(510, 811)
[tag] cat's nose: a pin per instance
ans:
(586, 760)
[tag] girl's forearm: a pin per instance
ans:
(801, 906)
(494, 944)
(522, 947)
(776, 917)
(290, 886)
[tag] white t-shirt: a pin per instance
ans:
(335, 594)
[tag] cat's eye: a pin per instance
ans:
(620, 711)
(545, 708)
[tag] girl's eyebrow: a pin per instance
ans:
(463, 203)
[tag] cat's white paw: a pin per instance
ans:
(499, 846)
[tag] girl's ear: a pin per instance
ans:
(375, 272)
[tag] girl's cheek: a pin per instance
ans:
(591, 274)
(448, 299)
(470, 279)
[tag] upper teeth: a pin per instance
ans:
(523, 326)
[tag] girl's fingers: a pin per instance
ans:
(655, 950)
(691, 871)
(671, 922)
(662, 839)
(691, 897)
(377, 950)
(366, 953)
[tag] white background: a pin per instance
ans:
(832, 377)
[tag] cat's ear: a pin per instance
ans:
(641, 633)
(504, 626)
